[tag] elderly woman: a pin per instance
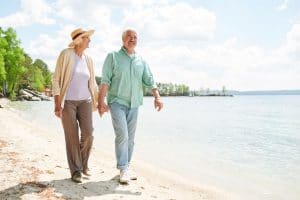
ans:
(74, 90)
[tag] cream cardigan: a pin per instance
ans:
(63, 72)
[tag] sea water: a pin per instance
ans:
(246, 145)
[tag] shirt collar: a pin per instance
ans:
(125, 51)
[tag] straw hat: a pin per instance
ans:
(77, 35)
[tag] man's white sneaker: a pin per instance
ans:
(124, 176)
(132, 174)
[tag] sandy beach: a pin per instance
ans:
(33, 166)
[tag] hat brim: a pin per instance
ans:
(87, 33)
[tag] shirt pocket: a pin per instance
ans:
(138, 69)
(117, 70)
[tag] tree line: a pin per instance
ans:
(17, 69)
(169, 89)
(165, 89)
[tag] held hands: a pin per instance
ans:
(158, 104)
(102, 108)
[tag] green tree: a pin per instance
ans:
(46, 74)
(25, 78)
(17, 69)
(207, 91)
(37, 79)
(171, 89)
(223, 90)
(13, 59)
(2, 72)
(3, 47)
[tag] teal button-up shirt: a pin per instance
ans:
(125, 75)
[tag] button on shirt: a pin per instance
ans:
(78, 88)
(125, 75)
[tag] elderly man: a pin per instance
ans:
(123, 75)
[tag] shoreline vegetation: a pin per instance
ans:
(18, 70)
(34, 167)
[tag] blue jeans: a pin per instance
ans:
(124, 121)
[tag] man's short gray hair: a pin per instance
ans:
(125, 33)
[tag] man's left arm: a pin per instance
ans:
(148, 81)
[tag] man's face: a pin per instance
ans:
(130, 40)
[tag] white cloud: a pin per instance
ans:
(177, 40)
(289, 53)
(193, 24)
(81, 12)
(178, 21)
(213, 66)
(283, 6)
(48, 47)
(92, 15)
(229, 64)
(293, 42)
(32, 12)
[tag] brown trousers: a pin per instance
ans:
(75, 115)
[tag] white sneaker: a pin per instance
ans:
(124, 176)
(132, 174)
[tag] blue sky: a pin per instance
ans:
(239, 44)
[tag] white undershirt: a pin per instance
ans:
(78, 88)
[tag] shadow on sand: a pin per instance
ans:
(66, 188)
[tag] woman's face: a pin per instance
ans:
(85, 42)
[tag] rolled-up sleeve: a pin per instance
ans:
(148, 79)
(107, 69)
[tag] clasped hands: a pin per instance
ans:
(102, 108)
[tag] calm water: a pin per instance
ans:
(247, 145)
